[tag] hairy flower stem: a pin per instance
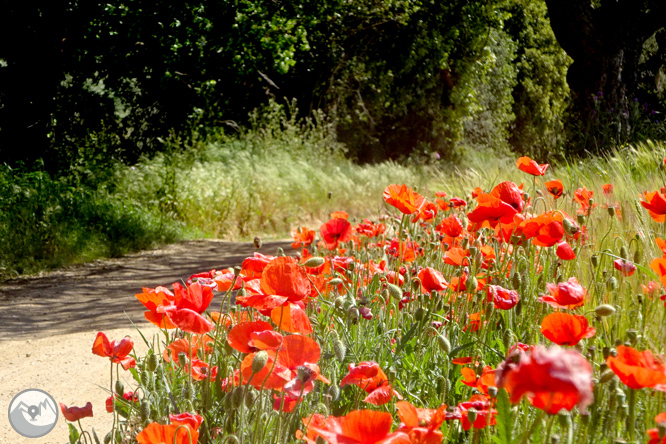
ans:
(631, 418)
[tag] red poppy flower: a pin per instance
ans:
(456, 256)
(625, 267)
(637, 369)
(426, 213)
(195, 297)
(73, 414)
(451, 226)
(566, 329)
(421, 424)
(168, 433)
(254, 266)
(187, 320)
(339, 215)
(154, 298)
(607, 189)
(529, 166)
(187, 346)
(503, 202)
(583, 196)
(569, 294)
(248, 337)
(369, 229)
(502, 298)
(403, 198)
(482, 382)
(192, 420)
(359, 427)
(552, 378)
(302, 237)
(546, 229)
(654, 437)
(369, 377)
(485, 415)
(565, 252)
(655, 203)
(659, 266)
(555, 188)
(201, 370)
(129, 397)
(282, 372)
(457, 202)
(432, 279)
(117, 351)
(335, 231)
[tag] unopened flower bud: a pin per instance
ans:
(335, 281)
(394, 291)
(595, 260)
(353, 314)
(314, 262)
(334, 392)
(237, 397)
(613, 284)
(250, 397)
(120, 388)
(419, 314)
(259, 361)
(606, 376)
(340, 350)
(351, 266)
(339, 302)
(471, 415)
(471, 283)
(151, 362)
(604, 310)
(144, 410)
(580, 218)
(444, 343)
(624, 254)
(564, 418)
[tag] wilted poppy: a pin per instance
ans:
(555, 188)
(565, 252)
(167, 433)
(637, 369)
(117, 351)
(529, 166)
(370, 377)
(552, 378)
(335, 231)
(502, 298)
(73, 414)
(625, 267)
(655, 203)
(569, 294)
(566, 329)
(403, 198)
(302, 237)
(432, 279)
(358, 426)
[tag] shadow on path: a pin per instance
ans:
(100, 295)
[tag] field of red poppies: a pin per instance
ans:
(531, 311)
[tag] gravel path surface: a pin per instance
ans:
(48, 324)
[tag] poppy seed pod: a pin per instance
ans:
(444, 343)
(472, 414)
(564, 418)
(580, 218)
(182, 359)
(661, 429)
(259, 361)
(604, 310)
(258, 242)
(340, 349)
(314, 262)
(394, 291)
(611, 211)
(595, 260)
(492, 391)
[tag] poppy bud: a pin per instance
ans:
(613, 284)
(606, 376)
(444, 343)
(472, 414)
(340, 350)
(507, 338)
(394, 291)
(624, 254)
(611, 211)
(228, 349)
(351, 266)
(151, 362)
(471, 283)
(144, 410)
(353, 314)
(259, 361)
(564, 418)
(569, 227)
(526, 197)
(250, 397)
(228, 401)
(419, 314)
(516, 280)
(633, 335)
(339, 302)
(595, 260)
(519, 307)
(604, 310)
(416, 284)
(335, 281)
(237, 397)
(334, 392)
(120, 388)
(637, 255)
(258, 242)
(314, 262)
(182, 359)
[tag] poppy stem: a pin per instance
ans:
(631, 418)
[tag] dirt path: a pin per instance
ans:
(48, 324)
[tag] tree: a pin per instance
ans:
(605, 40)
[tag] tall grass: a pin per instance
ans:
(236, 183)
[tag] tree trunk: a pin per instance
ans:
(605, 44)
